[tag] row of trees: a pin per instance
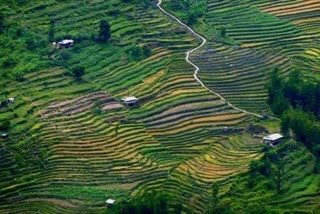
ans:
(297, 102)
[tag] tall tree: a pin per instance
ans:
(51, 32)
(279, 176)
(104, 33)
(2, 23)
(78, 72)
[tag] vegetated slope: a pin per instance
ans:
(248, 39)
(291, 166)
(65, 154)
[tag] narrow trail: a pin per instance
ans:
(204, 41)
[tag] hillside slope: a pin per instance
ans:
(72, 142)
(65, 154)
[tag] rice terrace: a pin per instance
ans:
(160, 106)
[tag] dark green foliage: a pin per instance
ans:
(51, 32)
(214, 202)
(223, 31)
(304, 125)
(195, 9)
(279, 175)
(9, 62)
(293, 92)
(298, 104)
(271, 168)
(104, 33)
(2, 23)
(78, 72)
(138, 53)
(4, 125)
(149, 203)
(19, 75)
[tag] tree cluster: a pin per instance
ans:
(194, 8)
(4, 125)
(297, 102)
(138, 53)
(149, 203)
(2, 23)
(271, 166)
(104, 32)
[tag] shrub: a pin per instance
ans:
(2, 23)
(78, 72)
(5, 125)
(104, 33)
(9, 62)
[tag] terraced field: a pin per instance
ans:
(73, 144)
(260, 36)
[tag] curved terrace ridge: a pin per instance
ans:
(204, 41)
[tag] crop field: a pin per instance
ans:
(73, 143)
(258, 37)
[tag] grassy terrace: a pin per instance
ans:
(66, 155)
(248, 39)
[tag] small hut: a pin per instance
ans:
(130, 101)
(67, 43)
(4, 135)
(273, 139)
(110, 202)
(11, 100)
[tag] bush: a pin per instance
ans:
(5, 125)
(138, 53)
(2, 23)
(78, 72)
(9, 62)
(104, 33)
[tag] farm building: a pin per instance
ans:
(4, 135)
(130, 100)
(67, 43)
(273, 139)
(11, 100)
(110, 202)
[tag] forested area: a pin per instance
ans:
(297, 102)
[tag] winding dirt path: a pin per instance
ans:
(204, 41)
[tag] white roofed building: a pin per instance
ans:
(11, 100)
(273, 139)
(65, 43)
(130, 100)
(110, 202)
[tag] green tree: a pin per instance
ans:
(5, 125)
(223, 31)
(51, 32)
(78, 72)
(279, 175)
(104, 33)
(2, 23)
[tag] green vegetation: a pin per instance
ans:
(297, 102)
(78, 72)
(194, 9)
(4, 125)
(74, 144)
(104, 33)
